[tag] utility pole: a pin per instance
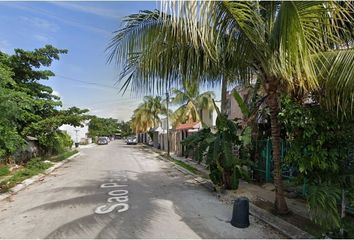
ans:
(168, 135)
(77, 138)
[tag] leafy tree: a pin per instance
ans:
(12, 105)
(102, 126)
(321, 144)
(28, 68)
(29, 107)
(125, 128)
(192, 103)
(51, 139)
(289, 46)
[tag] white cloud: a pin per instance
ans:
(5, 46)
(56, 93)
(67, 21)
(83, 7)
(41, 38)
(41, 23)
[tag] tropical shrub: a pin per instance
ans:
(4, 170)
(221, 152)
(55, 143)
(321, 144)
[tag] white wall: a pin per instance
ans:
(81, 133)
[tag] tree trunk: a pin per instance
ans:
(224, 94)
(280, 203)
(227, 179)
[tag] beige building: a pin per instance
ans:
(209, 118)
(233, 110)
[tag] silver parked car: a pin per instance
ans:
(131, 140)
(102, 141)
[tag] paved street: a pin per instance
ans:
(120, 191)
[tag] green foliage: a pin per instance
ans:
(124, 128)
(4, 170)
(32, 168)
(10, 140)
(191, 103)
(320, 147)
(72, 116)
(186, 166)
(320, 141)
(29, 107)
(63, 156)
(35, 164)
(241, 103)
(55, 142)
(147, 114)
(217, 150)
(12, 103)
(323, 200)
(102, 127)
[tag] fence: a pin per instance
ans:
(263, 171)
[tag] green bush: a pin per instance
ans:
(37, 165)
(32, 168)
(217, 150)
(56, 142)
(4, 170)
(63, 156)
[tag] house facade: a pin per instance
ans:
(77, 134)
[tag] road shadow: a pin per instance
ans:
(162, 204)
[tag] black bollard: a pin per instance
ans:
(240, 214)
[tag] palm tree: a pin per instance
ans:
(296, 47)
(192, 103)
(148, 39)
(288, 45)
(147, 114)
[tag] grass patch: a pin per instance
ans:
(63, 156)
(4, 170)
(186, 166)
(34, 167)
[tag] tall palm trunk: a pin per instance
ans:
(273, 103)
(224, 94)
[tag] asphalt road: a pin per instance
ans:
(120, 191)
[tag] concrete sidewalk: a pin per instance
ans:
(254, 193)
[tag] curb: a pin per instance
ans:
(205, 182)
(25, 183)
(277, 223)
(281, 225)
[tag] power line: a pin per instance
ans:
(81, 81)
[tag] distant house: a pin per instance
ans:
(183, 131)
(164, 124)
(208, 117)
(77, 134)
(232, 108)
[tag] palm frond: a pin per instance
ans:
(336, 75)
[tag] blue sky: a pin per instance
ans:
(82, 78)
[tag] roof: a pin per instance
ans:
(157, 129)
(188, 126)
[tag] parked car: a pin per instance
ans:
(131, 141)
(102, 141)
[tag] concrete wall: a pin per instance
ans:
(81, 133)
(28, 151)
(233, 110)
(209, 118)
